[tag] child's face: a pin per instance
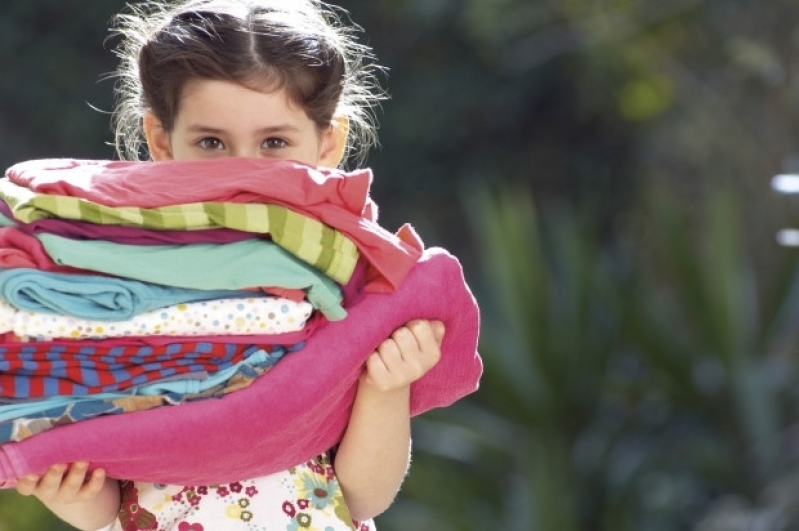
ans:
(224, 119)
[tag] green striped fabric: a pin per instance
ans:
(308, 239)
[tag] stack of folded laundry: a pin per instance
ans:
(128, 286)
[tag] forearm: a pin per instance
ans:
(374, 454)
(93, 514)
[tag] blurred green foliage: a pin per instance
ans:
(602, 169)
(649, 385)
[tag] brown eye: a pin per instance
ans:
(210, 143)
(274, 143)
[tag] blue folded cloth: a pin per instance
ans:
(102, 298)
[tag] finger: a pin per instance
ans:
(429, 344)
(50, 482)
(438, 331)
(390, 350)
(407, 343)
(376, 371)
(423, 333)
(375, 364)
(93, 485)
(27, 485)
(73, 480)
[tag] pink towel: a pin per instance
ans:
(297, 411)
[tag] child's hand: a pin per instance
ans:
(406, 356)
(86, 501)
(63, 485)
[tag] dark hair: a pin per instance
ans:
(301, 46)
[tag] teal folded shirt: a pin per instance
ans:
(246, 264)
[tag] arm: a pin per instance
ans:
(88, 503)
(374, 453)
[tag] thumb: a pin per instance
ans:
(438, 330)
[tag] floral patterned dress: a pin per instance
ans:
(306, 497)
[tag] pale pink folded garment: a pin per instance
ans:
(297, 411)
(155, 184)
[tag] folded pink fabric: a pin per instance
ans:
(19, 249)
(239, 180)
(337, 198)
(298, 410)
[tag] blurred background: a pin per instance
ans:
(603, 171)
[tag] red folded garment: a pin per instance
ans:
(298, 410)
(78, 368)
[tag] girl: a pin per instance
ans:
(256, 78)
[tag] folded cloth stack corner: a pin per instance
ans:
(157, 315)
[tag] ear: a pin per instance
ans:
(334, 143)
(157, 137)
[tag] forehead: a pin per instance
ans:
(226, 102)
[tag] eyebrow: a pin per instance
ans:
(281, 128)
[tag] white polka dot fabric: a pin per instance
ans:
(250, 316)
